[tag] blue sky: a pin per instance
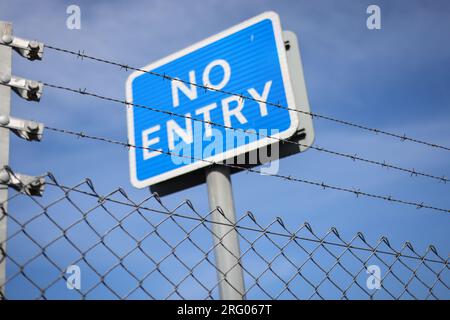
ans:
(395, 79)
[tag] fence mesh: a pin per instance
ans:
(127, 249)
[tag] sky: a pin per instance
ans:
(394, 79)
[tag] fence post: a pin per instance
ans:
(5, 106)
(227, 252)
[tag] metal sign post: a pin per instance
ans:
(198, 122)
(226, 241)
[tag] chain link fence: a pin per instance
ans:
(127, 249)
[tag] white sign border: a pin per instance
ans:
(273, 16)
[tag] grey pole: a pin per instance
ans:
(5, 105)
(227, 252)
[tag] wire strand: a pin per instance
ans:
(83, 55)
(353, 157)
(356, 192)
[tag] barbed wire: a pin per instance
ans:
(323, 185)
(353, 157)
(81, 54)
(326, 272)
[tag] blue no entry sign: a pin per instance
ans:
(210, 126)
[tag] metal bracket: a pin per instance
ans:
(28, 89)
(25, 129)
(33, 186)
(30, 49)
